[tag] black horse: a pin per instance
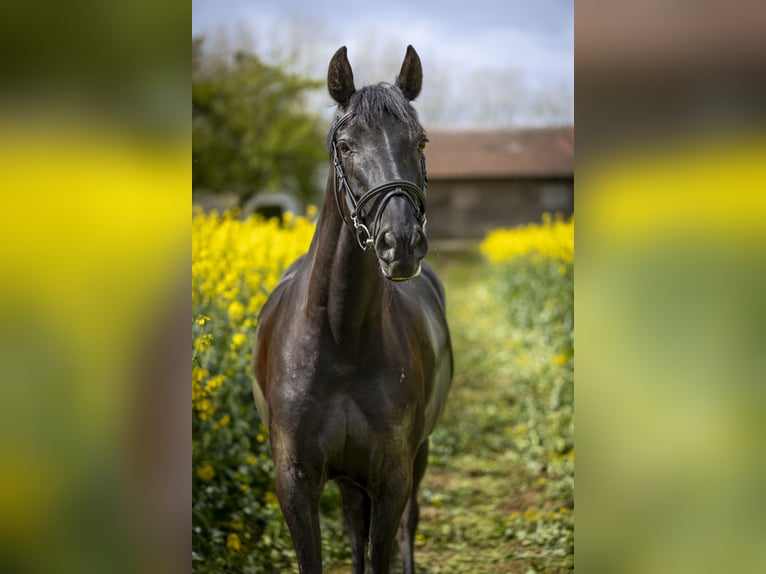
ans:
(352, 354)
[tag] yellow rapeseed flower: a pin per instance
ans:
(206, 471)
(236, 311)
(224, 421)
(238, 339)
(270, 498)
(531, 516)
(552, 239)
(205, 409)
(233, 543)
(231, 258)
(215, 383)
(202, 343)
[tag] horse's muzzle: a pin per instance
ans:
(399, 254)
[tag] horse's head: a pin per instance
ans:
(376, 144)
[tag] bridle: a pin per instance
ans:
(390, 189)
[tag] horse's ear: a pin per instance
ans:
(340, 78)
(410, 78)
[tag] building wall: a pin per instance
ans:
(469, 209)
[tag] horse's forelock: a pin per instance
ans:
(373, 104)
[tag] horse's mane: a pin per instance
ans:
(372, 104)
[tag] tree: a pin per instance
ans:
(250, 126)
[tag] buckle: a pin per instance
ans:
(363, 235)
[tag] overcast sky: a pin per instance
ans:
(514, 47)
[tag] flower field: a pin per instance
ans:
(551, 240)
(237, 525)
(498, 495)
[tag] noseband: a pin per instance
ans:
(390, 189)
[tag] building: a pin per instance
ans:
(481, 180)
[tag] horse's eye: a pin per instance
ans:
(422, 144)
(343, 147)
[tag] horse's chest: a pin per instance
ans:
(368, 431)
(349, 404)
(374, 392)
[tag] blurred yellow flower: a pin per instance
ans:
(238, 339)
(552, 239)
(233, 543)
(237, 262)
(205, 409)
(206, 471)
(531, 516)
(270, 498)
(224, 421)
(202, 343)
(236, 311)
(215, 383)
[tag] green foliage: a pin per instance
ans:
(538, 294)
(538, 303)
(237, 525)
(500, 484)
(250, 127)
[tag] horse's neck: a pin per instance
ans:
(346, 290)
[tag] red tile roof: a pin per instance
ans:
(527, 152)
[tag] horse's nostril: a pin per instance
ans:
(388, 239)
(387, 246)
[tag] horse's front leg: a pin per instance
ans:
(356, 510)
(299, 490)
(409, 522)
(389, 497)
